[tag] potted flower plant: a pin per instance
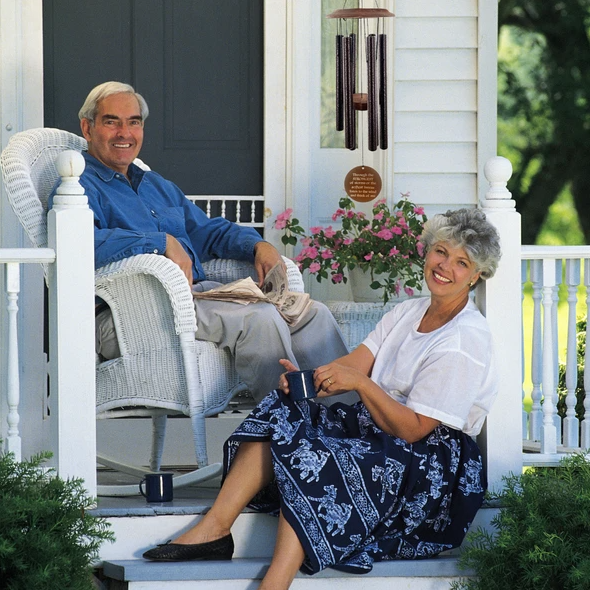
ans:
(385, 247)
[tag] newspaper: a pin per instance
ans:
(291, 305)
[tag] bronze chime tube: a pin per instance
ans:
(382, 53)
(372, 110)
(339, 82)
(349, 112)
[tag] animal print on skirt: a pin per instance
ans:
(355, 495)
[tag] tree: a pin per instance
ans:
(544, 106)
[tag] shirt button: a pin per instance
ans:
(156, 251)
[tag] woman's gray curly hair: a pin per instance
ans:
(100, 92)
(468, 229)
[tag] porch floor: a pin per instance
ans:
(187, 500)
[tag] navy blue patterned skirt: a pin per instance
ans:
(354, 494)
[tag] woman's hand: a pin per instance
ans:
(335, 378)
(288, 366)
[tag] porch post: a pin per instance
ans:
(499, 299)
(71, 327)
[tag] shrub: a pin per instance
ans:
(47, 539)
(561, 388)
(543, 537)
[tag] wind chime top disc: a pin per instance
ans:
(363, 184)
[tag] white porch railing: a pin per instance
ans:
(547, 435)
(245, 210)
(71, 295)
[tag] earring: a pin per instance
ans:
(471, 284)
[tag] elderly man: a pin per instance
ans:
(139, 212)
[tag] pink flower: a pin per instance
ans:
(335, 266)
(280, 224)
(419, 210)
(339, 213)
(393, 251)
(285, 215)
(316, 230)
(397, 230)
(329, 232)
(314, 267)
(306, 242)
(379, 216)
(337, 278)
(409, 291)
(348, 241)
(420, 248)
(368, 256)
(379, 202)
(309, 253)
(385, 234)
(327, 254)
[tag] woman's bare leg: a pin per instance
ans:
(286, 560)
(250, 471)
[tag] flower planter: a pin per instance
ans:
(360, 285)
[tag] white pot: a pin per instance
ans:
(360, 285)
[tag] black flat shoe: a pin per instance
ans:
(220, 549)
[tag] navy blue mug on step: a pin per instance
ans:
(158, 487)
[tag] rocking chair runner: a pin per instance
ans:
(153, 313)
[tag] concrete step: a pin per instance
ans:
(243, 574)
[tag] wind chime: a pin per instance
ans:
(353, 96)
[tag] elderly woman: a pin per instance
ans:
(398, 474)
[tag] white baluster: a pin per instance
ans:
(238, 210)
(536, 417)
(548, 431)
(525, 416)
(208, 208)
(585, 431)
(570, 422)
(13, 439)
(223, 208)
(555, 333)
(253, 212)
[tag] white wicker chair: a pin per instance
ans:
(162, 369)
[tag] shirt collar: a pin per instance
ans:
(107, 174)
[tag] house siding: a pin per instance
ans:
(436, 103)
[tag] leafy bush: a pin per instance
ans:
(47, 539)
(543, 536)
(561, 388)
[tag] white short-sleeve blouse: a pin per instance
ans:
(447, 374)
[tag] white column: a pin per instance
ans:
(71, 312)
(500, 301)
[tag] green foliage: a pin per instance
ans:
(561, 386)
(562, 225)
(543, 100)
(542, 537)
(47, 539)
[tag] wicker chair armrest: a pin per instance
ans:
(167, 273)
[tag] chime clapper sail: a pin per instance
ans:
(348, 100)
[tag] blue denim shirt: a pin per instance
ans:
(133, 217)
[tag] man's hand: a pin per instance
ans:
(176, 253)
(265, 257)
